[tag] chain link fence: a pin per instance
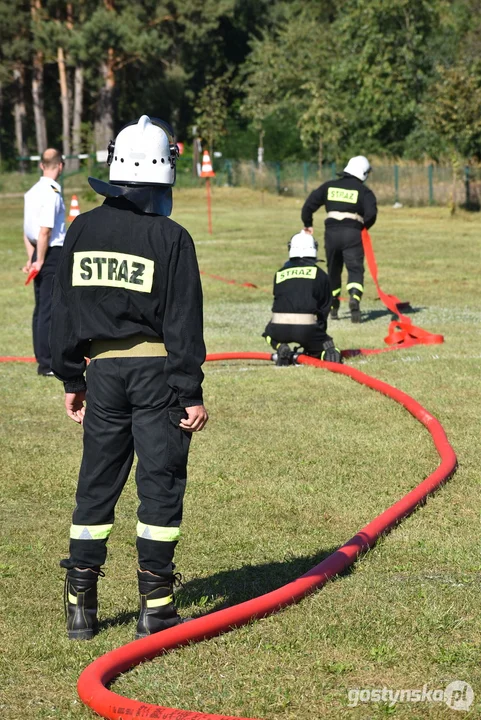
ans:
(412, 185)
(405, 184)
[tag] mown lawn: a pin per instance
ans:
(293, 462)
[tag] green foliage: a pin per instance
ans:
(361, 89)
(14, 30)
(383, 70)
(287, 72)
(322, 121)
(355, 76)
(453, 108)
(282, 137)
(239, 140)
(211, 109)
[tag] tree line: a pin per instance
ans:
(265, 79)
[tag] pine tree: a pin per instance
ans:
(15, 54)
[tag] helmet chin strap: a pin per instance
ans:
(110, 151)
(174, 154)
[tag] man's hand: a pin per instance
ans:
(42, 247)
(197, 418)
(37, 265)
(309, 230)
(74, 405)
(29, 250)
(330, 353)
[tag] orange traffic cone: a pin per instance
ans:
(74, 209)
(207, 170)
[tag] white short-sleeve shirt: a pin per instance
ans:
(44, 207)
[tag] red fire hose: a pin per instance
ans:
(92, 682)
(401, 333)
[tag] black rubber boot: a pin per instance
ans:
(157, 605)
(284, 355)
(335, 308)
(355, 310)
(81, 603)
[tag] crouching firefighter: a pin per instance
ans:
(127, 295)
(302, 299)
(350, 207)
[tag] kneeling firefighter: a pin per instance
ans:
(350, 207)
(302, 299)
(128, 296)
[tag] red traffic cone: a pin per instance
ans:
(74, 209)
(206, 170)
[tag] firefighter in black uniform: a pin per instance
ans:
(302, 298)
(128, 296)
(350, 207)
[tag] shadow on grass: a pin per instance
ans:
(231, 587)
(370, 315)
(384, 312)
(122, 618)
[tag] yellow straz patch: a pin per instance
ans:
(111, 269)
(308, 273)
(342, 195)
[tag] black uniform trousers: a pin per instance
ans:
(344, 247)
(43, 286)
(310, 337)
(130, 408)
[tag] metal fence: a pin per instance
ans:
(406, 184)
(413, 185)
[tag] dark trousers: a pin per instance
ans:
(43, 286)
(310, 337)
(130, 408)
(344, 247)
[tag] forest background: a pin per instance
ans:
(304, 80)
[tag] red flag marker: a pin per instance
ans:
(31, 275)
(207, 172)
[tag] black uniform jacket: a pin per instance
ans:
(123, 272)
(347, 195)
(302, 287)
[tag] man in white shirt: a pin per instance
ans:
(43, 234)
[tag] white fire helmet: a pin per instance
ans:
(144, 153)
(359, 167)
(302, 245)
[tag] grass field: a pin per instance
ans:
(293, 462)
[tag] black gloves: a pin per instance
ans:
(330, 353)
